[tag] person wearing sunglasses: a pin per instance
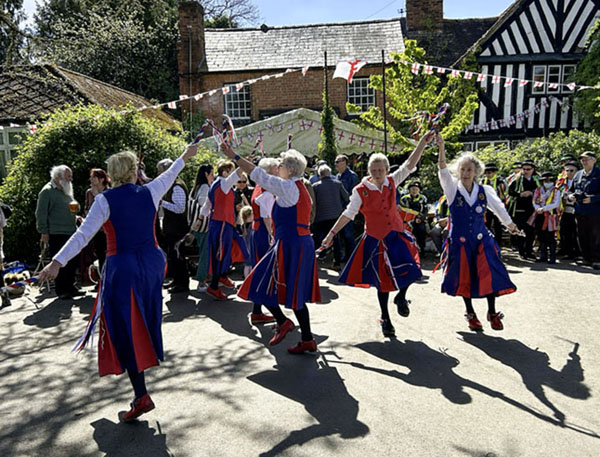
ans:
(546, 204)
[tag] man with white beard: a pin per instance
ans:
(56, 223)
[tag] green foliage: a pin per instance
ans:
(11, 37)
(587, 102)
(327, 145)
(82, 138)
(220, 22)
(408, 94)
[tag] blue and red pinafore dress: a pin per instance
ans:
(387, 256)
(287, 273)
(472, 264)
(260, 234)
(128, 307)
(226, 245)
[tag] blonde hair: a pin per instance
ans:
(379, 157)
(225, 165)
(295, 162)
(122, 167)
(454, 167)
(245, 211)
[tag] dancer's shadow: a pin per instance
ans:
(534, 367)
(126, 440)
(51, 314)
(320, 388)
(328, 295)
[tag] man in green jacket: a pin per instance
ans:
(56, 223)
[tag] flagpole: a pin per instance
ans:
(385, 145)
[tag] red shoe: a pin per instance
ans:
(227, 282)
(495, 321)
(216, 293)
(260, 318)
(281, 331)
(138, 407)
(474, 323)
(303, 346)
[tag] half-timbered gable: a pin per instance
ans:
(536, 40)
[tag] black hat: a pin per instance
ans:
(415, 184)
(572, 163)
(547, 175)
(567, 157)
(517, 165)
(491, 166)
(529, 162)
(588, 154)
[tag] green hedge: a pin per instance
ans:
(81, 137)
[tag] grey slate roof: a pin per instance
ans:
(300, 45)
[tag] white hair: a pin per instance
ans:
(266, 163)
(294, 161)
(58, 172)
(324, 170)
(379, 157)
(454, 167)
(164, 165)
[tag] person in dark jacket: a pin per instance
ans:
(416, 201)
(331, 199)
(350, 180)
(586, 196)
(521, 191)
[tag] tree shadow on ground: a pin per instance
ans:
(434, 370)
(58, 310)
(312, 382)
(127, 440)
(534, 368)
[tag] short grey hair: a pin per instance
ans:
(266, 163)
(164, 165)
(295, 163)
(378, 157)
(454, 167)
(58, 171)
(324, 170)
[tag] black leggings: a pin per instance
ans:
(383, 298)
(302, 316)
(138, 381)
(491, 299)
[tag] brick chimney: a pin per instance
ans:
(423, 15)
(190, 47)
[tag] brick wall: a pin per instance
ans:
(191, 33)
(289, 92)
(424, 14)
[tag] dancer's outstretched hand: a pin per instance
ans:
(49, 272)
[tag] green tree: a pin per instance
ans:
(327, 146)
(12, 38)
(83, 138)
(587, 102)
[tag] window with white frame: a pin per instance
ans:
(554, 79)
(10, 137)
(468, 147)
(238, 102)
(495, 144)
(360, 94)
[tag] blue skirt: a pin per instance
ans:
(226, 246)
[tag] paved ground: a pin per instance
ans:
(436, 390)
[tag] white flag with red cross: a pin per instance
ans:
(347, 69)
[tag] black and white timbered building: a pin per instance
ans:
(537, 40)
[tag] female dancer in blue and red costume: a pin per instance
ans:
(225, 243)
(287, 273)
(129, 302)
(262, 229)
(472, 264)
(386, 257)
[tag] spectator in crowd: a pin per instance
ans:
(5, 297)
(586, 196)
(199, 224)
(516, 171)
(244, 228)
(349, 180)
(546, 203)
(99, 182)
(521, 191)
(315, 177)
(569, 246)
(242, 193)
(175, 227)
(56, 221)
(311, 193)
(439, 232)
(331, 199)
(417, 202)
(496, 182)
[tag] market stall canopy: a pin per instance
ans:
(305, 127)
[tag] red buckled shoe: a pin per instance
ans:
(216, 293)
(474, 323)
(281, 331)
(138, 407)
(261, 318)
(495, 321)
(303, 346)
(227, 282)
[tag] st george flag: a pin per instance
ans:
(347, 69)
